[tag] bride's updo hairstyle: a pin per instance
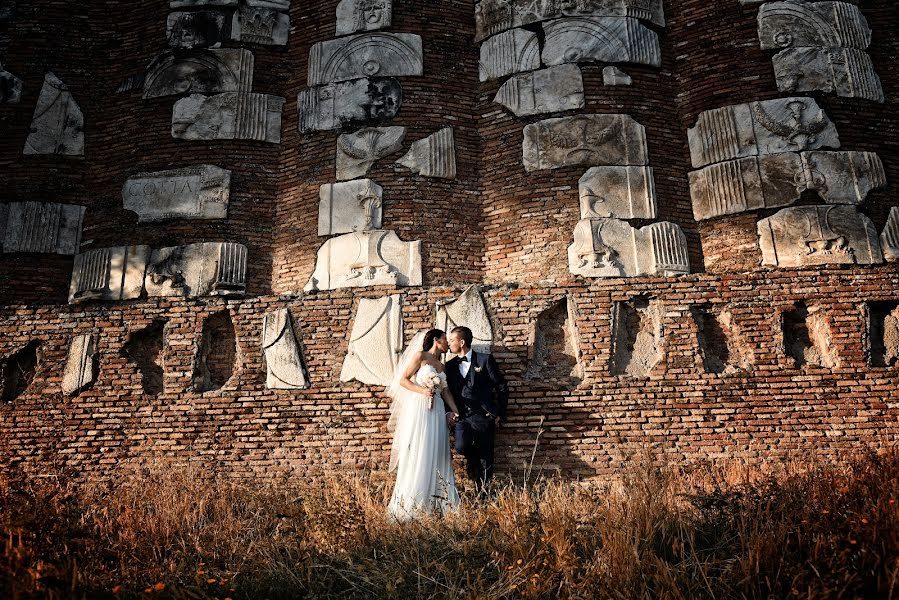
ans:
(430, 337)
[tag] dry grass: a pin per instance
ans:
(825, 533)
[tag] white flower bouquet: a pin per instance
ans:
(434, 381)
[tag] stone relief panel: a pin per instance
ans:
(201, 3)
(349, 206)
(600, 39)
(58, 123)
(469, 310)
(812, 24)
(586, 140)
(376, 341)
(258, 25)
(41, 227)
(109, 274)
(357, 152)
(363, 15)
(194, 270)
(758, 128)
(618, 192)
(779, 180)
(555, 89)
(434, 156)
(889, 239)
(201, 29)
(366, 258)
(509, 52)
(79, 371)
(200, 192)
(846, 72)
(615, 76)
(283, 358)
(200, 72)
(366, 55)
(228, 116)
(365, 102)
(279, 5)
(818, 235)
(10, 87)
(612, 248)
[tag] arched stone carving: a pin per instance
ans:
(363, 15)
(200, 72)
(366, 55)
(509, 52)
(109, 274)
(602, 39)
(366, 258)
(812, 24)
(376, 341)
(58, 123)
(363, 102)
(204, 269)
(200, 192)
(555, 89)
(358, 151)
(41, 227)
(469, 310)
(283, 359)
(612, 248)
(586, 140)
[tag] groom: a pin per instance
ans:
(481, 394)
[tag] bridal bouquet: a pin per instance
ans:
(433, 382)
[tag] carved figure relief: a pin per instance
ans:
(200, 29)
(79, 372)
(509, 52)
(109, 274)
(376, 341)
(283, 359)
(350, 206)
(845, 72)
(58, 123)
(363, 102)
(194, 270)
(469, 310)
(618, 192)
(264, 26)
(200, 72)
(366, 258)
(584, 140)
(555, 89)
(363, 15)
(229, 116)
(200, 192)
(600, 39)
(612, 248)
(10, 87)
(366, 55)
(434, 156)
(40, 227)
(357, 152)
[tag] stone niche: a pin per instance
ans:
(556, 89)
(366, 258)
(366, 55)
(760, 128)
(10, 87)
(361, 102)
(889, 239)
(618, 192)
(199, 192)
(584, 140)
(260, 25)
(58, 123)
(18, 371)
(469, 310)
(145, 348)
(554, 348)
(229, 116)
(807, 338)
(357, 152)
(434, 156)
(40, 227)
(883, 333)
(208, 71)
(205, 269)
(613, 248)
(363, 15)
(818, 235)
(349, 206)
(722, 345)
(283, 358)
(376, 341)
(600, 39)
(637, 336)
(216, 358)
(200, 29)
(509, 52)
(81, 364)
(109, 274)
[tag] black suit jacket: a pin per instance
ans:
(483, 390)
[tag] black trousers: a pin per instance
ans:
(474, 441)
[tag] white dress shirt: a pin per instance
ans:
(464, 366)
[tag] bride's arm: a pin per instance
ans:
(450, 401)
(410, 385)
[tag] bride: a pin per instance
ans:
(421, 453)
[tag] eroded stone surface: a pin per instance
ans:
(10, 87)
(818, 235)
(260, 25)
(889, 239)
(363, 15)
(376, 341)
(201, 3)
(200, 192)
(79, 372)
(469, 310)
(349, 206)
(619, 192)
(283, 358)
(229, 116)
(812, 24)
(554, 348)
(847, 72)
(363, 102)
(637, 336)
(58, 123)
(194, 270)
(366, 55)
(612, 248)
(555, 89)
(586, 140)
(41, 227)
(758, 128)
(509, 52)
(602, 39)
(200, 72)
(357, 152)
(109, 274)
(366, 258)
(434, 156)
(198, 29)
(615, 76)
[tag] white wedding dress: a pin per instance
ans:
(421, 452)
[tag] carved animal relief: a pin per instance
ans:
(205, 269)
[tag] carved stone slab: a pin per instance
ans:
(229, 116)
(281, 5)
(257, 25)
(619, 192)
(58, 123)
(603, 39)
(200, 72)
(79, 371)
(366, 258)
(10, 87)
(615, 76)
(469, 310)
(350, 206)
(200, 3)
(812, 24)
(889, 239)
(847, 72)
(283, 359)
(200, 29)
(779, 180)
(612, 248)
(366, 55)
(109, 274)
(434, 156)
(40, 227)
(200, 192)
(509, 52)
(818, 235)
(363, 15)
(494, 16)
(363, 102)
(357, 152)
(758, 128)
(204, 269)
(555, 89)
(586, 140)
(376, 341)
